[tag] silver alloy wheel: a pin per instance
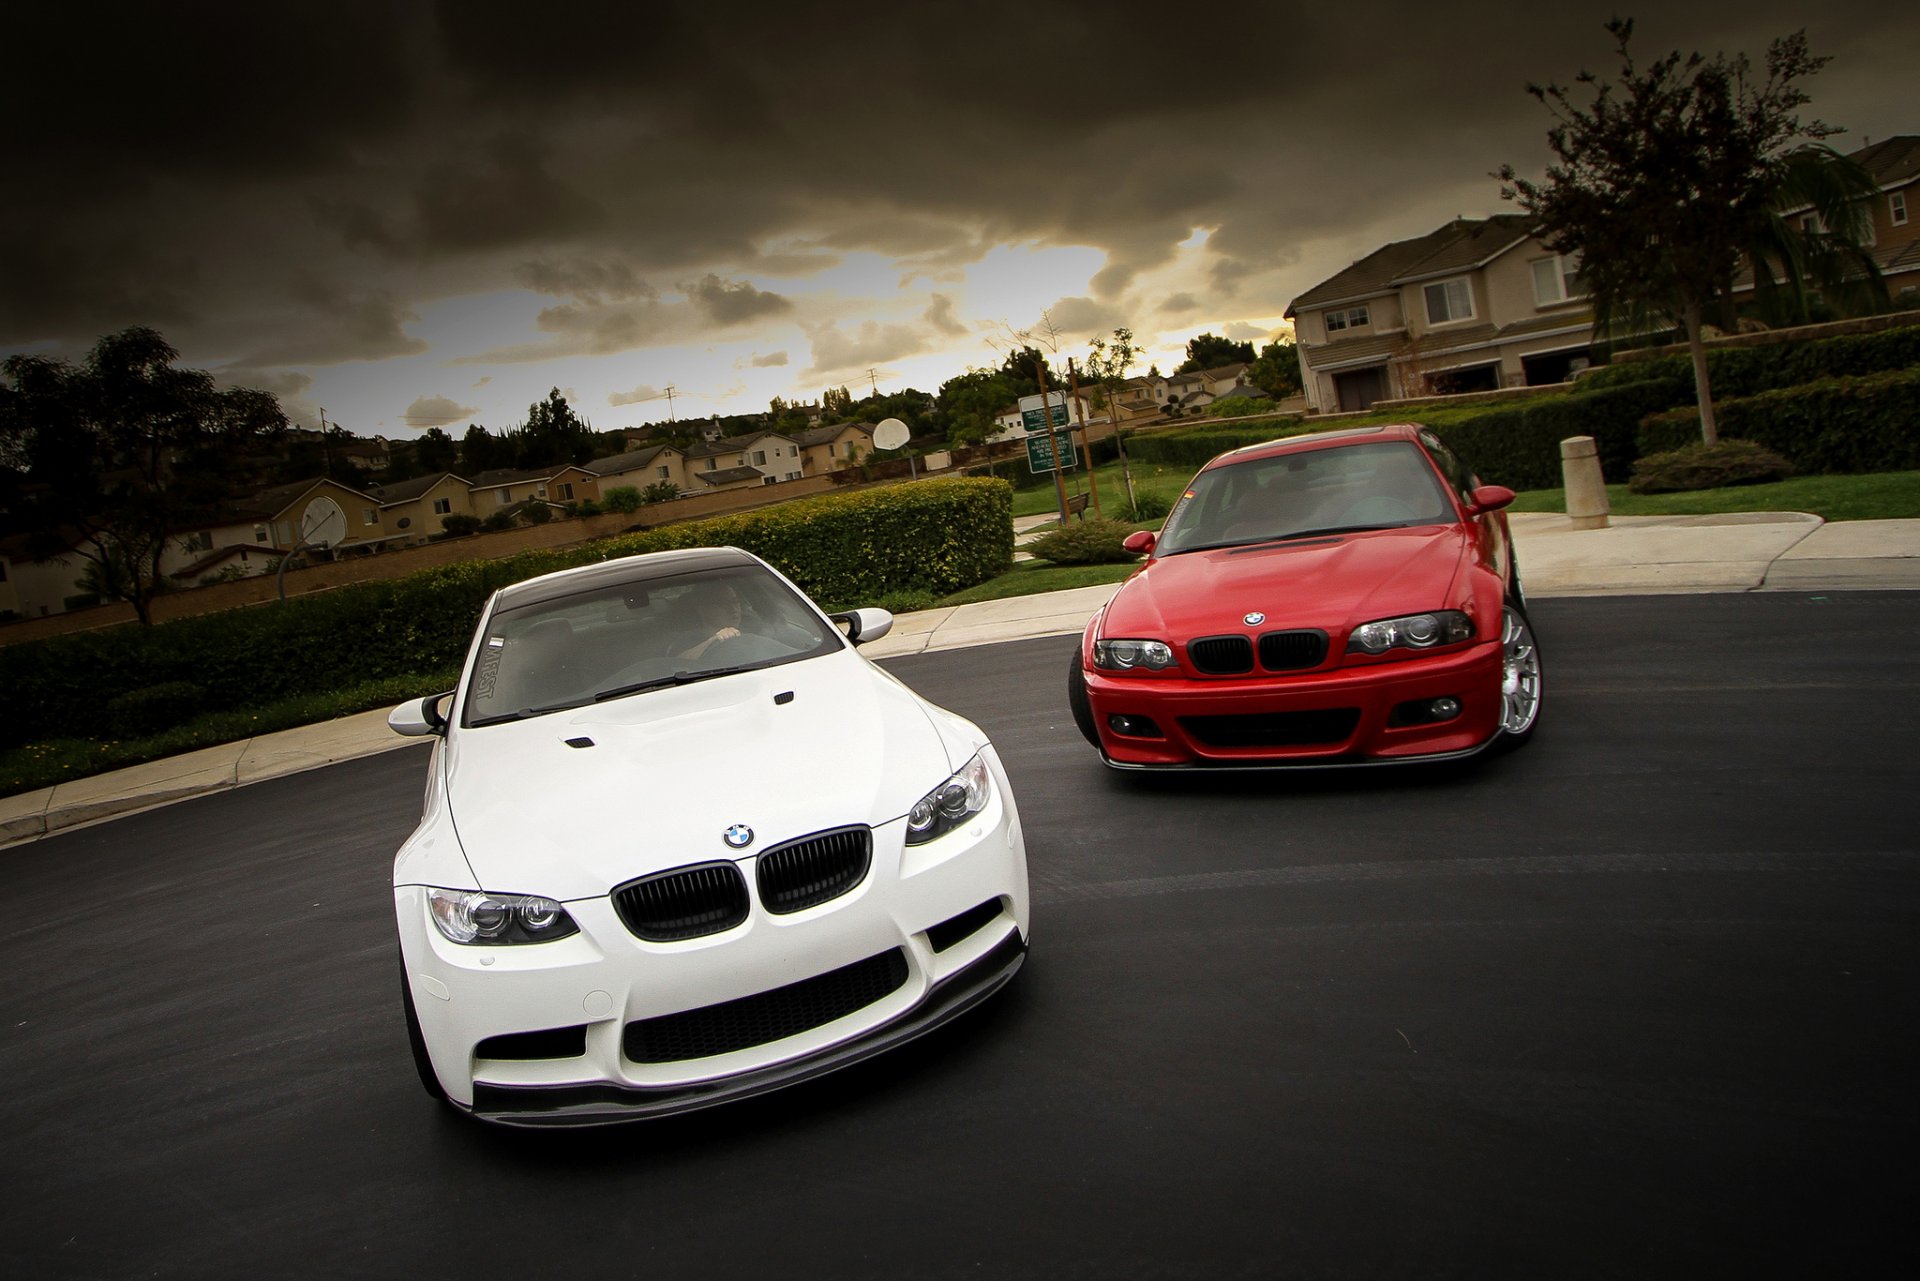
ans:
(1519, 674)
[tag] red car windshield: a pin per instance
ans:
(1379, 485)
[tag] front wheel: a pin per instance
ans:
(1521, 686)
(1077, 699)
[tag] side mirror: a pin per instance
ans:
(420, 717)
(863, 625)
(1140, 540)
(1490, 498)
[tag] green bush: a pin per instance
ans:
(1146, 505)
(1704, 466)
(1836, 425)
(844, 549)
(1086, 542)
(660, 491)
(1747, 371)
(460, 524)
(624, 499)
(1239, 406)
(497, 522)
(140, 712)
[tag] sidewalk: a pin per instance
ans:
(1637, 555)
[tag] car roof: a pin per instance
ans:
(1318, 440)
(627, 569)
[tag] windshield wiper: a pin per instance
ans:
(525, 712)
(1285, 538)
(676, 678)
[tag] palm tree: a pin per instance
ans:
(1809, 241)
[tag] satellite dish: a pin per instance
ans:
(323, 523)
(890, 434)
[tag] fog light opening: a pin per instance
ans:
(1134, 726)
(1424, 711)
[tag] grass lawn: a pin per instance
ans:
(1159, 478)
(1882, 496)
(1032, 576)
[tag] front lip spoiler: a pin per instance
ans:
(560, 1106)
(1347, 762)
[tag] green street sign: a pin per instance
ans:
(1040, 452)
(1035, 420)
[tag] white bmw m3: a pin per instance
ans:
(682, 844)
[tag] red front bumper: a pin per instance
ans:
(1336, 717)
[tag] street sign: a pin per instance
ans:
(1035, 420)
(1040, 452)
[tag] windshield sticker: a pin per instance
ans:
(488, 672)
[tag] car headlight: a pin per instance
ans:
(1122, 655)
(475, 916)
(950, 804)
(1411, 631)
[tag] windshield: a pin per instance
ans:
(622, 639)
(1382, 485)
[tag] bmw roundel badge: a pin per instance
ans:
(1255, 618)
(739, 836)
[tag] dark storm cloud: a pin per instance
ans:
(185, 166)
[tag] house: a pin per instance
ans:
(638, 468)
(824, 450)
(281, 517)
(1894, 166)
(417, 509)
(773, 456)
(1193, 391)
(500, 488)
(1473, 305)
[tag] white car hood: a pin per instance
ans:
(670, 770)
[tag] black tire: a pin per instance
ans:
(421, 1063)
(1077, 699)
(1520, 660)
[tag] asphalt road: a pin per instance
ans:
(1639, 1000)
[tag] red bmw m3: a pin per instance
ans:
(1342, 598)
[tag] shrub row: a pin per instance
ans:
(1836, 425)
(936, 536)
(1747, 371)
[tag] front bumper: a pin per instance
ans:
(1340, 717)
(590, 988)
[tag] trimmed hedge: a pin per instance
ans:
(1747, 371)
(936, 536)
(1836, 425)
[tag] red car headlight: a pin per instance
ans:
(1128, 655)
(1411, 631)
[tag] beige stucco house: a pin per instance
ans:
(825, 450)
(1474, 305)
(1894, 166)
(639, 468)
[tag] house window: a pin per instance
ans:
(1448, 301)
(767, 480)
(200, 542)
(259, 533)
(713, 464)
(1557, 279)
(1810, 223)
(830, 449)
(1897, 208)
(441, 506)
(506, 497)
(540, 491)
(1352, 316)
(759, 458)
(661, 472)
(566, 492)
(793, 451)
(369, 515)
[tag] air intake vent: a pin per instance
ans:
(1274, 729)
(964, 926)
(801, 874)
(766, 1016)
(1221, 655)
(555, 1043)
(683, 904)
(1291, 651)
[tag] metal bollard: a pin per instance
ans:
(1587, 506)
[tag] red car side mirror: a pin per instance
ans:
(1490, 498)
(1141, 540)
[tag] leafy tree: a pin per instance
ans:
(110, 457)
(1210, 351)
(1277, 370)
(435, 451)
(1796, 264)
(481, 450)
(1107, 366)
(554, 434)
(836, 405)
(1664, 178)
(968, 404)
(660, 491)
(1022, 369)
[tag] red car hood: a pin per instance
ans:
(1334, 583)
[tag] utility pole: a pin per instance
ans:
(670, 391)
(873, 380)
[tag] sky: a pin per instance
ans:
(420, 215)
